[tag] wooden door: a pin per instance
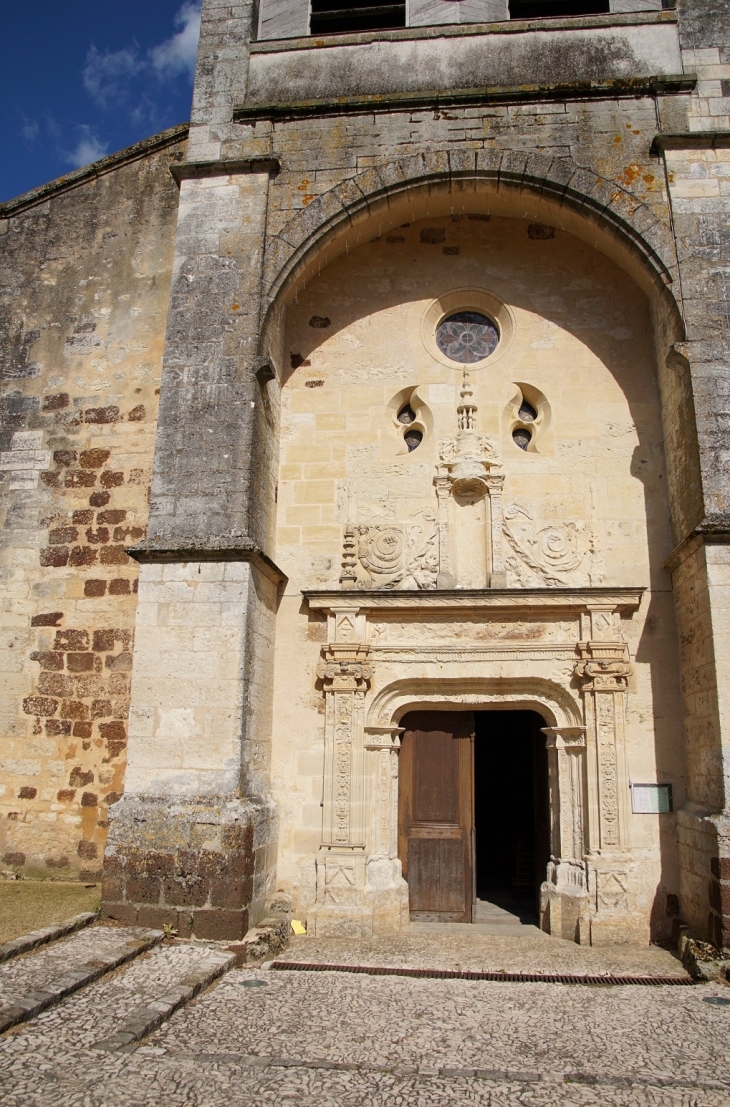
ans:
(436, 807)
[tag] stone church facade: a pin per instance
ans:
(378, 411)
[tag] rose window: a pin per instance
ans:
(467, 336)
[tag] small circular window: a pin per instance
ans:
(467, 336)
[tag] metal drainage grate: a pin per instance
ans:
(457, 974)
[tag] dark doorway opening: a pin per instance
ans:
(511, 814)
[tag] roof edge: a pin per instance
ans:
(95, 169)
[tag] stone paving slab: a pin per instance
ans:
(655, 1032)
(476, 952)
(320, 1039)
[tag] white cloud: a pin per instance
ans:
(29, 129)
(87, 149)
(177, 54)
(107, 75)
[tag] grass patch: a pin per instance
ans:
(27, 905)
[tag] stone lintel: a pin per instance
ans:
(477, 599)
(658, 85)
(189, 170)
(236, 549)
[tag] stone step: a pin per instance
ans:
(122, 1008)
(45, 935)
(40, 979)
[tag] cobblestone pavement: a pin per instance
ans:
(34, 970)
(320, 1039)
(459, 947)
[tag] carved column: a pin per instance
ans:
(566, 776)
(345, 673)
(497, 574)
(604, 684)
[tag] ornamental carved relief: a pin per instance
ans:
(340, 674)
(388, 555)
(604, 676)
(555, 554)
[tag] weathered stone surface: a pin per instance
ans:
(275, 434)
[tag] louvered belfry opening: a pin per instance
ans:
(330, 17)
(536, 9)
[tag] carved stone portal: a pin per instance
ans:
(586, 895)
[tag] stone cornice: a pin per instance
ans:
(704, 534)
(191, 170)
(690, 140)
(467, 600)
(229, 549)
(463, 30)
(94, 170)
(659, 85)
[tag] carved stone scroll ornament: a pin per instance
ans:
(340, 674)
(554, 554)
(608, 676)
(391, 556)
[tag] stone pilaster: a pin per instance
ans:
(564, 895)
(445, 577)
(386, 891)
(345, 674)
(497, 573)
(604, 675)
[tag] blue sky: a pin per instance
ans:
(80, 79)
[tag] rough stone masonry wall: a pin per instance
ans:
(698, 180)
(84, 278)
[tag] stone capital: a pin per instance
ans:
(345, 667)
(604, 676)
